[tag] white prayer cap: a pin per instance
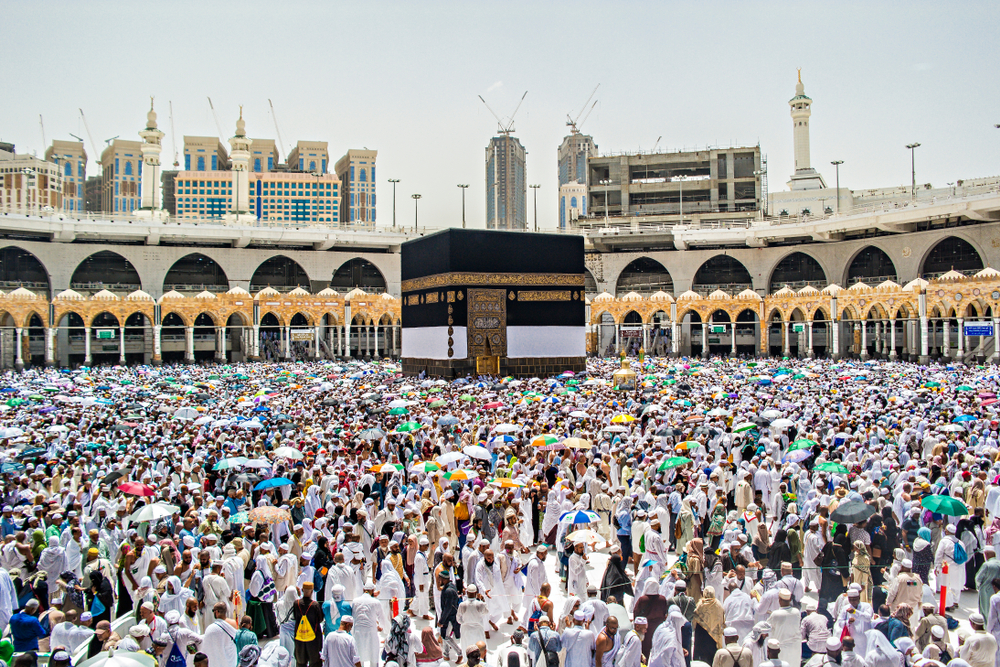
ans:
(471, 589)
(579, 615)
(640, 620)
(173, 617)
(347, 619)
(785, 594)
(937, 631)
(833, 644)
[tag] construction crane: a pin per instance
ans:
(93, 145)
(173, 134)
(42, 123)
(218, 125)
(575, 123)
(509, 127)
(656, 144)
(274, 117)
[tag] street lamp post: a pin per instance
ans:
(913, 169)
(416, 201)
(394, 181)
(464, 186)
(605, 182)
(836, 164)
(535, 188)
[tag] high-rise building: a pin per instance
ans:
(205, 154)
(572, 203)
(29, 185)
(356, 171)
(263, 155)
(121, 174)
(312, 156)
(573, 154)
(72, 161)
(506, 184)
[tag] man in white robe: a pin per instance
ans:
(858, 617)
(421, 581)
(490, 585)
(510, 568)
(216, 590)
(340, 648)
(576, 581)
(786, 628)
(955, 579)
(812, 547)
(655, 547)
(739, 609)
(534, 576)
(369, 620)
(232, 570)
(180, 636)
(579, 642)
(219, 643)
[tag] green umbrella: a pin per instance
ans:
(436, 390)
(932, 384)
(409, 427)
(963, 387)
(399, 411)
(745, 426)
(467, 397)
(673, 462)
(945, 505)
(802, 443)
(830, 466)
(438, 404)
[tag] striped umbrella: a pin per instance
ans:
(387, 467)
(544, 439)
(576, 517)
(461, 475)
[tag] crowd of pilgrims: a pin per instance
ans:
(421, 521)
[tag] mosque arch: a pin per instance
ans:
(360, 273)
(195, 272)
(950, 253)
(723, 272)
(645, 276)
(20, 268)
(589, 284)
(797, 270)
(631, 317)
(300, 320)
(872, 266)
(281, 273)
(105, 270)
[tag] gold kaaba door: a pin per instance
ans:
(488, 365)
(487, 325)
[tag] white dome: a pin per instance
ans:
(70, 294)
(718, 294)
(832, 288)
(689, 296)
(204, 295)
(603, 296)
(748, 294)
(859, 287)
(951, 275)
(138, 295)
(238, 291)
(171, 295)
(784, 291)
(267, 291)
(632, 296)
(808, 289)
(660, 296)
(327, 292)
(298, 291)
(888, 286)
(915, 284)
(103, 295)
(356, 292)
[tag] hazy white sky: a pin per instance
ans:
(403, 78)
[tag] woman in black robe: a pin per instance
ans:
(615, 581)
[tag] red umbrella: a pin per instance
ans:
(136, 489)
(494, 404)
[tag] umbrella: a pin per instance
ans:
(802, 443)
(425, 466)
(830, 466)
(689, 444)
(371, 434)
(782, 423)
(796, 455)
(447, 420)
(399, 411)
(952, 428)
(185, 413)
(852, 512)
(770, 414)
(575, 517)
(718, 412)
(506, 483)
(115, 658)
(505, 428)
(153, 512)
(437, 404)
(136, 489)
(578, 443)
(585, 536)
(461, 475)
(745, 426)
(257, 463)
(234, 462)
(544, 439)
(113, 476)
(409, 427)
(478, 452)
(945, 505)
(579, 414)
(617, 428)
(387, 467)
(964, 418)
(494, 404)
(12, 467)
(32, 453)
(269, 515)
(502, 439)
(673, 462)
(246, 478)
(288, 453)
(668, 430)
(272, 483)
(450, 457)
(622, 419)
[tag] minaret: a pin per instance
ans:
(805, 177)
(239, 158)
(151, 203)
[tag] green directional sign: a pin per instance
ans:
(106, 333)
(798, 328)
(718, 328)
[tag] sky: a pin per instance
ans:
(403, 78)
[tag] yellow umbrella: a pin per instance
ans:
(577, 443)
(622, 419)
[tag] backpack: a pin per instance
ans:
(961, 555)
(304, 631)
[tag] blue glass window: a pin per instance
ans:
(572, 202)
(352, 173)
(270, 163)
(187, 163)
(201, 163)
(256, 164)
(312, 165)
(116, 165)
(69, 169)
(215, 162)
(324, 165)
(128, 167)
(363, 179)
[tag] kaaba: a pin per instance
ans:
(483, 302)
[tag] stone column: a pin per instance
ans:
(617, 339)
(878, 337)
(960, 355)
(376, 340)
(946, 338)
(50, 346)
(157, 348)
(347, 340)
(732, 348)
(189, 345)
(121, 345)
(704, 340)
(18, 348)
(835, 328)
(995, 357)
(220, 347)
(786, 329)
(286, 347)
(892, 341)
(864, 339)
(87, 358)
(809, 338)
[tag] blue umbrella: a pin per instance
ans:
(272, 483)
(447, 420)
(12, 467)
(797, 455)
(575, 517)
(964, 418)
(502, 438)
(261, 408)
